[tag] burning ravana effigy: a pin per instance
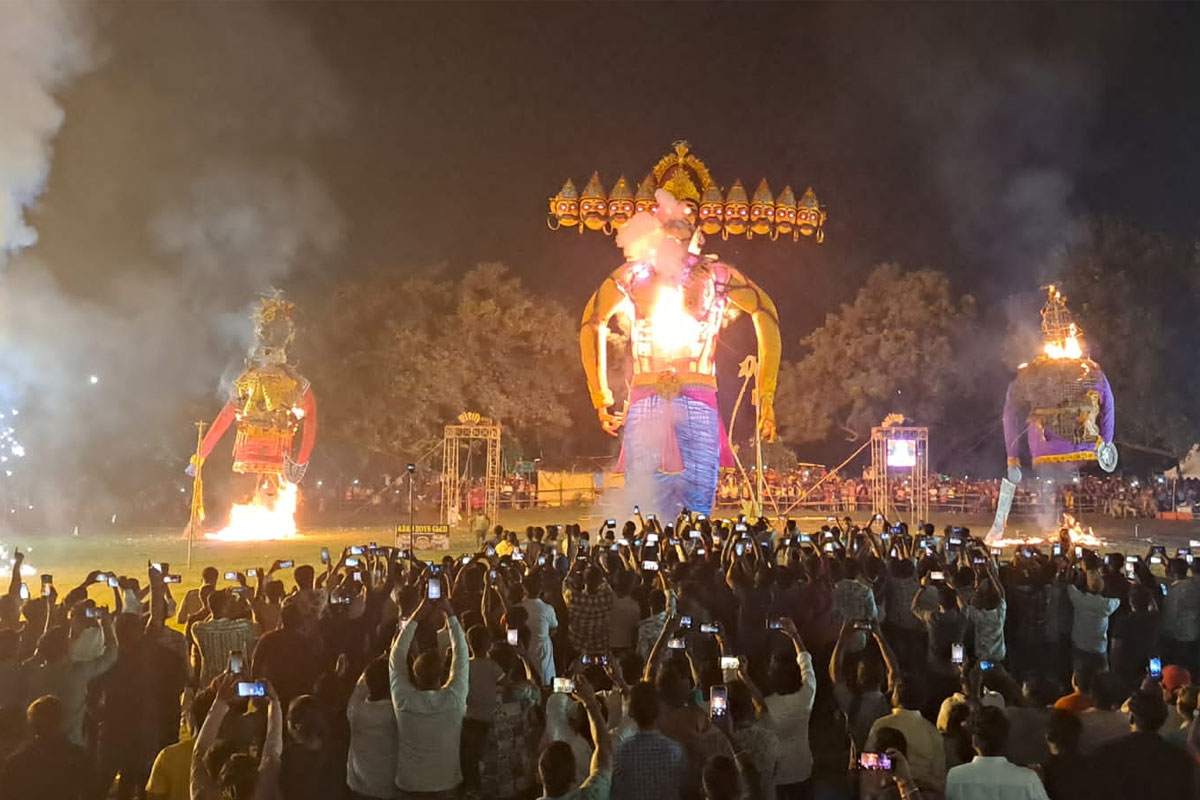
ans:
(673, 300)
(270, 402)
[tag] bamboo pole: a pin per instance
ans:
(197, 492)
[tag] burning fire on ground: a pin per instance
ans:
(265, 518)
(1075, 531)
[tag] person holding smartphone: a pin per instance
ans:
(542, 621)
(429, 713)
(790, 691)
(240, 777)
(556, 766)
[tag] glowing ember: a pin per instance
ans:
(675, 330)
(1068, 348)
(262, 519)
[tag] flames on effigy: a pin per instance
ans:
(1071, 532)
(268, 516)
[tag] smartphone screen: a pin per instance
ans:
(956, 653)
(357, 550)
(24, 591)
(236, 661)
(114, 582)
(719, 705)
(286, 564)
(324, 555)
(251, 689)
(937, 575)
(709, 628)
(650, 565)
(435, 589)
(875, 761)
(231, 576)
(514, 636)
(986, 665)
(353, 562)
(1155, 668)
(676, 644)
(730, 662)
(564, 685)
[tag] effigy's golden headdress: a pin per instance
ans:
(1060, 334)
(274, 328)
(688, 180)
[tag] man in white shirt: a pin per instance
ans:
(1089, 628)
(371, 760)
(542, 622)
(991, 776)
(429, 717)
(926, 752)
(556, 767)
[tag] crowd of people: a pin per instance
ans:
(688, 658)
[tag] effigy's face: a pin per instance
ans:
(807, 220)
(565, 210)
(591, 210)
(762, 216)
(619, 212)
(737, 217)
(785, 218)
(646, 204)
(710, 217)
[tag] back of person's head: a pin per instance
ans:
(376, 677)
(304, 576)
(643, 704)
(889, 738)
(209, 575)
(1063, 731)
(851, 569)
(532, 585)
(1082, 679)
(238, 777)
(1177, 568)
(989, 730)
(54, 644)
(593, 579)
(427, 671)
(10, 642)
(305, 720)
(783, 676)
(674, 690)
(128, 629)
(947, 597)
(988, 597)
(275, 591)
(1140, 598)
(45, 716)
(741, 703)
(291, 616)
(658, 601)
(868, 675)
(1107, 691)
(721, 779)
(1147, 710)
(219, 602)
(201, 703)
(908, 694)
(1187, 700)
(480, 640)
(556, 766)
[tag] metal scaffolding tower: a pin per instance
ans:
(471, 427)
(900, 458)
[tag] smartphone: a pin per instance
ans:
(353, 562)
(804, 537)
(114, 582)
(493, 575)
(24, 591)
(978, 560)
(286, 564)
(1131, 559)
(1057, 549)
(357, 576)
(739, 548)
(564, 685)
(701, 517)
(956, 653)
(650, 565)
(997, 552)
(685, 622)
(435, 589)
(252, 689)
(694, 534)
(324, 555)
(610, 523)
(877, 516)
(102, 578)
(1156, 559)
(828, 547)
(357, 550)
(954, 541)
(237, 661)
(467, 560)
(47, 579)
(251, 573)
(1079, 552)
(650, 517)
(172, 578)
(157, 567)
(231, 576)
(340, 599)
(651, 538)
(709, 628)
(986, 665)
(1155, 669)
(862, 625)
(774, 625)
(518, 555)
(880, 762)
(588, 661)
(92, 612)
(937, 575)
(491, 551)
(637, 510)
(719, 702)
(730, 662)
(676, 644)
(514, 636)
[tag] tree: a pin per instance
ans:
(396, 358)
(892, 350)
(1136, 297)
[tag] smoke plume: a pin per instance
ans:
(42, 47)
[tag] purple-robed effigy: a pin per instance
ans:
(1066, 406)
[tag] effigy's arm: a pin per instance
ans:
(308, 438)
(593, 347)
(217, 429)
(1012, 427)
(749, 298)
(1108, 411)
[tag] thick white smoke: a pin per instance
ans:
(42, 47)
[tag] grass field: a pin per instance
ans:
(69, 558)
